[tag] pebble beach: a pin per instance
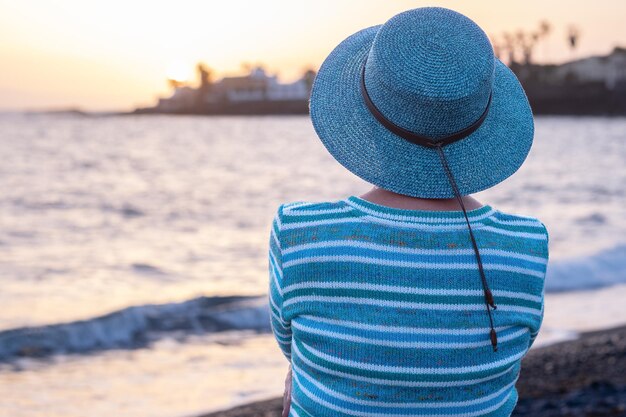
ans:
(585, 377)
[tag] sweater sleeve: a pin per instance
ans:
(280, 327)
(535, 330)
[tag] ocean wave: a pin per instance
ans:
(607, 267)
(137, 326)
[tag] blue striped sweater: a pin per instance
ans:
(381, 312)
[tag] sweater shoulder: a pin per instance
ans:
(307, 221)
(516, 216)
(519, 221)
(303, 211)
(525, 226)
(310, 207)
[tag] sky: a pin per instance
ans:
(117, 54)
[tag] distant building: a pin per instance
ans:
(182, 98)
(610, 69)
(241, 92)
(594, 85)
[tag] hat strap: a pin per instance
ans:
(438, 144)
(412, 136)
(487, 292)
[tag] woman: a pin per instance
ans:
(413, 299)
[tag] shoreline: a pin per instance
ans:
(584, 377)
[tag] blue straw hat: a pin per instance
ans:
(429, 77)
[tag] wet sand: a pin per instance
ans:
(585, 377)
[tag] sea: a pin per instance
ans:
(133, 251)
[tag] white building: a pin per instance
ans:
(610, 69)
(257, 86)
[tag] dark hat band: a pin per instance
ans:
(412, 136)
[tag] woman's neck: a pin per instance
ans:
(390, 199)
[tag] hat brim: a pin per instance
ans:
(361, 144)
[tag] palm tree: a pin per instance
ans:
(573, 34)
(510, 46)
(545, 28)
(497, 47)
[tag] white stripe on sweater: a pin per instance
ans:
(529, 223)
(404, 329)
(440, 370)
(293, 411)
(275, 238)
(536, 236)
(287, 207)
(416, 251)
(422, 404)
(281, 337)
(445, 218)
(409, 264)
(399, 383)
(408, 304)
(278, 318)
(365, 414)
(403, 344)
(406, 290)
(277, 221)
(299, 225)
(274, 267)
(446, 228)
(317, 212)
(421, 226)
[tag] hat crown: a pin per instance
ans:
(430, 70)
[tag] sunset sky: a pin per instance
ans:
(115, 55)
